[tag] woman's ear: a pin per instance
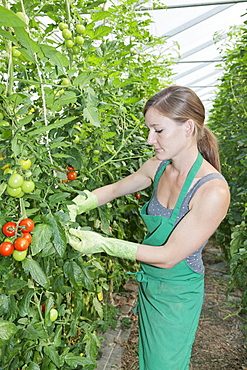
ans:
(189, 127)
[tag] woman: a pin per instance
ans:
(190, 199)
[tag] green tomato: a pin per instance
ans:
(80, 28)
(67, 34)
(15, 180)
(69, 44)
(25, 164)
(28, 186)
(14, 192)
(76, 49)
(19, 255)
(4, 124)
(23, 17)
(16, 53)
(63, 26)
(53, 314)
(1, 115)
(79, 40)
(96, 152)
(7, 170)
(65, 81)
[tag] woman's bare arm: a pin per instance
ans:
(137, 181)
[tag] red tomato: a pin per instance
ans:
(70, 168)
(27, 236)
(26, 225)
(9, 228)
(137, 196)
(6, 249)
(72, 175)
(21, 244)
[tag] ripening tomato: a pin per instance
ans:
(72, 175)
(21, 244)
(6, 249)
(9, 228)
(27, 236)
(26, 225)
(25, 164)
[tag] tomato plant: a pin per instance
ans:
(6, 248)
(21, 244)
(9, 229)
(59, 123)
(26, 225)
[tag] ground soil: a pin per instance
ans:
(220, 340)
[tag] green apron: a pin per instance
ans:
(169, 300)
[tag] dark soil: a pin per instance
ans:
(220, 340)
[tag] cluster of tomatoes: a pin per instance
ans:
(18, 238)
(19, 185)
(71, 174)
(72, 42)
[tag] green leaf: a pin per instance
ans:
(58, 198)
(56, 124)
(83, 79)
(51, 352)
(73, 360)
(7, 329)
(8, 35)
(41, 234)
(14, 285)
(34, 332)
(58, 59)
(102, 31)
(97, 16)
(3, 187)
(73, 273)
(91, 114)
(98, 307)
(59, 237)
(33, 267)
(24, 305)
(31, 46)
(10, 19)
(69, 97)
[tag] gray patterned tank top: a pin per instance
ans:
(194, 261)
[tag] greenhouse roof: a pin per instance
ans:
(193, 24)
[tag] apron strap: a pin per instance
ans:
(190, 177)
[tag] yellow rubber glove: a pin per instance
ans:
(83, 203)
(89, 242)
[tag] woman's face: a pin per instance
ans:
(166, 136)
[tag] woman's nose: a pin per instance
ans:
(151, 138)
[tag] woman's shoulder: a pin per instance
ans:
(151, 166)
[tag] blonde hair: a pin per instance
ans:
(180, 104)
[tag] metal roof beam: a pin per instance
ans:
(193, 69)
(196, 20)
(204, 4)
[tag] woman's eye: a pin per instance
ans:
(158, 131)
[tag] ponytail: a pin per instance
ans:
(208, 147)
